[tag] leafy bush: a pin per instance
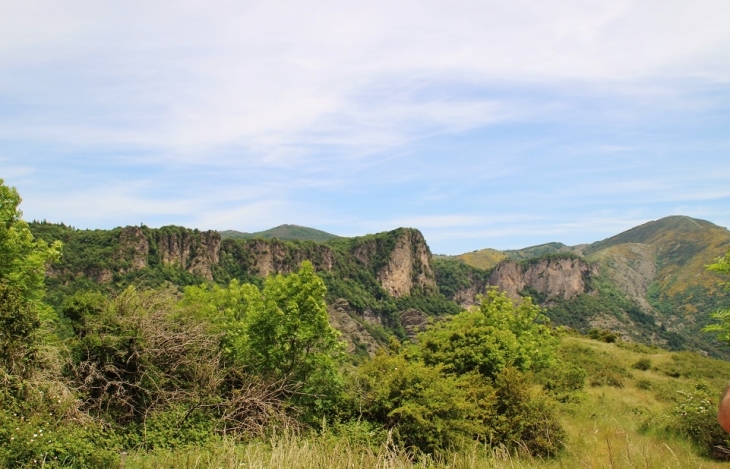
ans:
(421, 407)
(695, 417)
(525, 421)
(643, 364)
(498, 334)
(603, 335)
(563, 380)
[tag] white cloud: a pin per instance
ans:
(276, 78)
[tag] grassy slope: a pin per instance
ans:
(484, 259)
(283, 232)
(604, 426)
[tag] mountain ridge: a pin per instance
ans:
(656, 292)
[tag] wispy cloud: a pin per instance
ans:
(477, 122)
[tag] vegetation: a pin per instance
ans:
(721, 317)
(152, 365)
(284, 233)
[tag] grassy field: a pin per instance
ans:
(609, 426)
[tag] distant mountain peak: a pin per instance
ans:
(651, 231)
(285, 232)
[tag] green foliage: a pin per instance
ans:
(524, 420)
(695, 417)
(23, 258)
(603, 335)
(43, 441)
(453, 276)
(283, 232)
(601, 367)
(281, 332)
(423, 408)
(642, 364)
(23, 261)
(721, 326)
(563, 380)
(548, 256)
(498, 334)
(290, 337)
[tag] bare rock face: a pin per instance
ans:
(196, 252)
(468, 296)
(354, 333)
(414, 322)
(408, 266)
(134, 247)
(272, 257)
(557, 278)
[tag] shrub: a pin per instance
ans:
(523, 420)
(695, 417)
(498, 334)
(643, 364)
(603, 335)
(421, 407)
(643, 384)
(563, 380)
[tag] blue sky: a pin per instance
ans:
(484, 124)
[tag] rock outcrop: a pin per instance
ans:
(195, 251)
(407, 268)
(414, 322)
(274, 257)
(134, 248)
(342, 318)
(554, 277)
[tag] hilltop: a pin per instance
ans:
(284, 233)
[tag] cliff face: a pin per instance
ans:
(557, 278)
(407, 268)
(134, 247)
(196, 252)
(273, 257)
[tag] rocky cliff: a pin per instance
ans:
(554, 277)
(401, 260)
(266, 257)
(192, 250)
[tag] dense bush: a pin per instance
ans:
(496, 335)
(423, 408)
(695, 417)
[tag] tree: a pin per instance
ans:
(721, 317)
(23, 261)
(281, 332)
(487, 339)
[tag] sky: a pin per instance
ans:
(481, 123)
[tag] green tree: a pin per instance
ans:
(23, 261)
(422, 407)
(281, 332)
(722, 317)
(487, 339)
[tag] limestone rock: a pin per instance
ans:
(354, 333)
(557, 278)
(197, 252)
(414, 322)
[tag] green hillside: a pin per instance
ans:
(652, 283)
(284, 233)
